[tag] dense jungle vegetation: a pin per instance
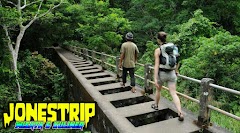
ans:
(206, 32)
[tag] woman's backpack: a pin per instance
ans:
(168, 56)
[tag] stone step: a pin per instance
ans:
(73, 59)
(109, 86)
(101, 79)
(80, 63)
(86, 68)
(83, 65)
(96, 74)
(122, 95)
(138, 109)
(168, 126)
(90, 71)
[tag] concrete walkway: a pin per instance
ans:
(128, 112)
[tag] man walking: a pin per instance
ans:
(128, 60)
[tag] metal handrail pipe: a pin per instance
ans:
(139, 76)
(97, 59)
(192, 79)
(89, 56)
(109, 55)
(151, 67)
(97, 52)
(89, 50)
(79, 52)
(184, 77)
(209, 106)
(109, 64)
(188, 97)
(140, 64)
(94, 58)
(181, 94)
(225, 89)
(224, 112)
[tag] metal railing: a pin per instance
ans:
(206, 84)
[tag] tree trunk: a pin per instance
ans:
(15, 69)
(15, 57)
(19, 93)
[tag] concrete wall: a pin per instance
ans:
(100, 122)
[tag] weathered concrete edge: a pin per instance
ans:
(105, 106)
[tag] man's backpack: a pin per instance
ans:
(168, 56)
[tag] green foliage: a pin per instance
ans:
(224, 13)
(73, 43)
(226, 122)
(102, 27)
(123, 4)
(209, 52)
(187, 34)
(217, 58)
(40, 79)
(8, 16)
(7, 80)
(148, 56)
(145, 20)
(7, 95)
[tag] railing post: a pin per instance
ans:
(87, 54)
(69, 48)
(82, 52)
(147, 76)
(103, 60)
(205, 98)
(79, 52)
(117, 68)
(75, 50)
(93, 57)
(66, 47)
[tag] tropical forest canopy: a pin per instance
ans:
(206, 32)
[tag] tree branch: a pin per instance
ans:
(19, 39)
(55, 6)
(36, 15)
(10, 2)
(23, 28)
(9, 39)
(19, 6)
(25, 3)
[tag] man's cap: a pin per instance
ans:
(129, 35)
